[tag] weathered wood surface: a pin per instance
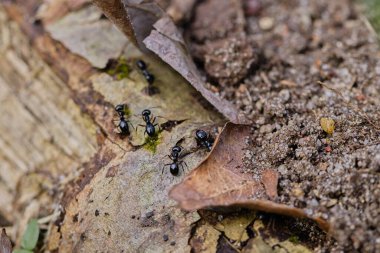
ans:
(44, 137)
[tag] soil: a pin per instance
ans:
(272, 75)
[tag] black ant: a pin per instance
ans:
(150, 127)
(204, 139)
(141, 64)
(148, 76)
(176, 163)
(123, 122)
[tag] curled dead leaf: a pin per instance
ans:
(220, 181)
(134, 18)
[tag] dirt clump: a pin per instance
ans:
(220, 41)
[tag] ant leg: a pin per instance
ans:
(184, 163)
(132, 126)
(159, 127)
(181, 165)
(170, 158)
(138, 126)
(117, 130)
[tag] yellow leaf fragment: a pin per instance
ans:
(205, 238)
(234, 227)
(328, 125)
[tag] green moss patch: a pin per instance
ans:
(119, 69)
(151, 143)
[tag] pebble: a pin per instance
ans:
(266, 23)
(149, 214)
(266, 128)
(331, 202)
(284, 95)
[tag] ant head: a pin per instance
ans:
(141, 64)
(176, 149)
(201, 134)
(146, 112)
(119, 109)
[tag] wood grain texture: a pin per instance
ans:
(42, 130)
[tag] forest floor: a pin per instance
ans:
(305, 74)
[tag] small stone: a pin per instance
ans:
(96, 212)
(172, 243)
(298, 192)
(252, 7)
(260, 121)
(149, 214)
(266, 128)
(331, 202)
(284, 95)
(282, 169)
(266, 23)
(323, 166)
(166, 238)
(314, 203)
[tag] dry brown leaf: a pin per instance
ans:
(134, 18)
(114, 10)
(219, 181)
(142, 15)
(5, 242)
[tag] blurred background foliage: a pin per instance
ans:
(372, 11)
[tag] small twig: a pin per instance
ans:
(368, 25)
(265, 79)
(348, 104)
(288, 83)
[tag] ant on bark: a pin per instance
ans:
(150, 127)
(151, 90)
(122, 126)
(176, 162)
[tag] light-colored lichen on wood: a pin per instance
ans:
(74, 29)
